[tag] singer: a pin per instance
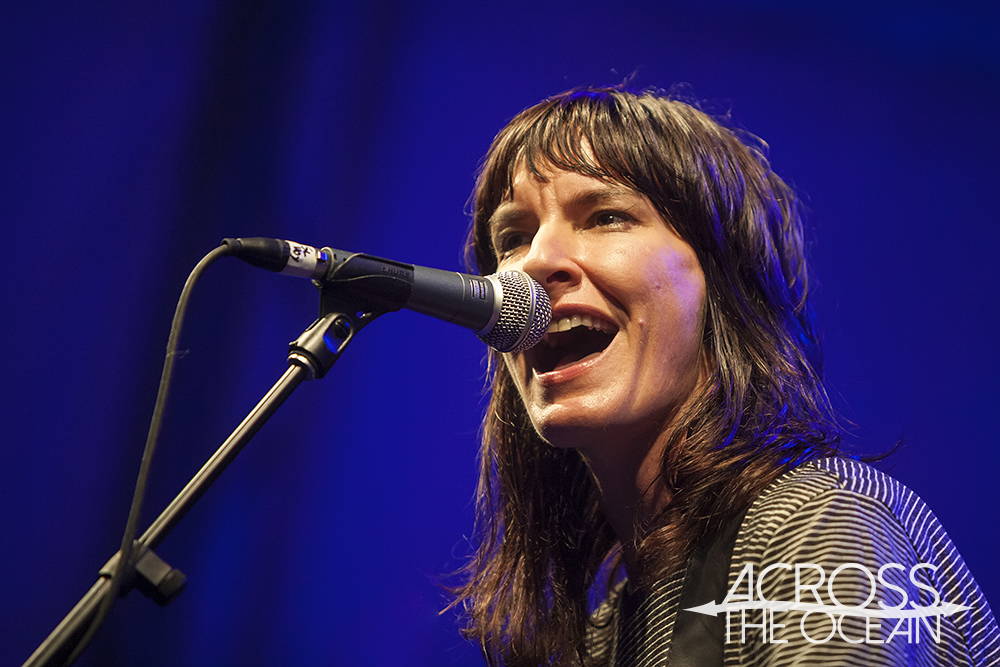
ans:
(669, 444)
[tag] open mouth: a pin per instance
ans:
(570, 340)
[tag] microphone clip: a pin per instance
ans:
(341, 316)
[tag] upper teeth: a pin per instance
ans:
(589, 321)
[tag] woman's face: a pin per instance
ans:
(628, 302)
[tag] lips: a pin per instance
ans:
(572, 338)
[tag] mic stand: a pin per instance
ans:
(310, 356)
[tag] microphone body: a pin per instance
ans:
(509, 311)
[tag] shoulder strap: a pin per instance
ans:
(698, 640)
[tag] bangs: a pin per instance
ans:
(592, 133)
(605, 134)
(565, 144)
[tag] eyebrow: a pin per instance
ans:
(607, 195)
(506, 214)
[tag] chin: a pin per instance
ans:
(575, 431)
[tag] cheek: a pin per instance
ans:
(678, 300)
(678, 284)
(692, 304)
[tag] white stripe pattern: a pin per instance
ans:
(826, 513)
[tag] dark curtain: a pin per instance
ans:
(136, 135)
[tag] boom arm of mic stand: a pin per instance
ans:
(309, 356)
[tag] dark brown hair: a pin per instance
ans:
(541, 536)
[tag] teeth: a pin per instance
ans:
(567, 323)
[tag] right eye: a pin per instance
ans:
(509, 242)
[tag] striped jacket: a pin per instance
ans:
(873, 577)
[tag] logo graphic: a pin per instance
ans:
(821, 621)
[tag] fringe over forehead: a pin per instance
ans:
(663, 148)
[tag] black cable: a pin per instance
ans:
(128, 539)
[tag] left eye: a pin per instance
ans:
(611, 218)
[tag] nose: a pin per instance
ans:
(553, 257)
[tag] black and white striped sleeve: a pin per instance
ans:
(837, 534)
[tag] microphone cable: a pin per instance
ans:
(128, 539)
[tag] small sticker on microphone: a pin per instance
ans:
(301, 260)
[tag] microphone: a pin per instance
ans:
(509, 310)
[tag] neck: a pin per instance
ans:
(632, 492)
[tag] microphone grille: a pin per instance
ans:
(525, 312)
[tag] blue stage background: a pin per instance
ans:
(136, 135)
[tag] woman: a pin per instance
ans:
(672, 426)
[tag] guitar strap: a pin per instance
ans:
(699, 640)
